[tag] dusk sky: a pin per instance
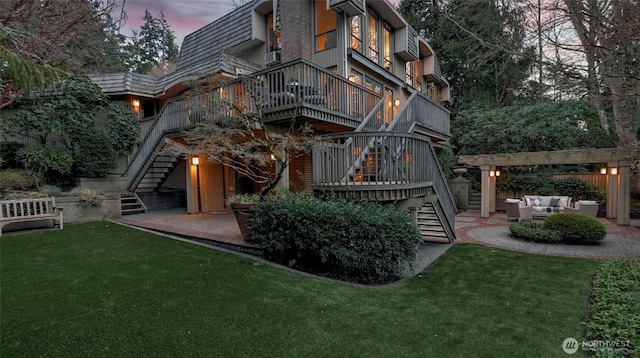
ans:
(184, 16)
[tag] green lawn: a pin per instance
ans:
(100, 289)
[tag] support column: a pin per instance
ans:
(611, 194)
(192, 187)
(492, 190)
(624, 193)
(484, 191)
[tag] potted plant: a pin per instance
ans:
(242, 206)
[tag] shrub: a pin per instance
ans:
(50, 190)
(19, 179)
(360, 242)
(45, 159)
(576, 228)
(87, 197)
(530, 231)
(615, 307)
(93, 152)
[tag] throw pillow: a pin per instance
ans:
(554, 202)
(536, 202)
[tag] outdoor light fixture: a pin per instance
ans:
(195, 161)
(492, 173)
(273, 157)
(603, 171)
(396, 103)
(497, 173)
(614, 171)
(136, 103)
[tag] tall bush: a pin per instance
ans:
(360, 242)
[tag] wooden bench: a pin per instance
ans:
(21, 210)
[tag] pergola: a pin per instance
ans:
(618, 162)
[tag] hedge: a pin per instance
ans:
(359, 242)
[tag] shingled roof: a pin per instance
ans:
(209, 42)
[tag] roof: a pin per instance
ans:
(209, 42)
(145, 85)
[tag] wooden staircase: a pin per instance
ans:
(130, 204)
(158, 172)
(430, 226)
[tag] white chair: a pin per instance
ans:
(515, 211)
(588, 208)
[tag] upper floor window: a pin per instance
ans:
(373, 37)
(325, 26)
(387, 47)
(355, 27)
(409, 73)
(274, 35)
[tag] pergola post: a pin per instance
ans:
(613, 187)
(485, 189)
(624, 193)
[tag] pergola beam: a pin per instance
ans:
(577, 156)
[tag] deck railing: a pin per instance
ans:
(394, 160)
(298, 83)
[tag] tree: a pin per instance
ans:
(546, 126)
(234, 134)
(610, 41)
(480, 45)
(154, 44)
(44, 41)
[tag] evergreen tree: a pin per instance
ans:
(154, 44)
(480, 45)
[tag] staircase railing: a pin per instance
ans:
(296, 83)
(373, 158)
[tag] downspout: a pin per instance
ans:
(345, 38)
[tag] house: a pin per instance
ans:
(353, 69)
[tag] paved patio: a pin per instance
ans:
(221, 229)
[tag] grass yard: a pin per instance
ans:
(100, 289)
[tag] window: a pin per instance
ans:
(274, 35)
(326, 35)
(387, 47)
(373, 37)
(355, 24)
(409, 73)
(370, 101)
(388, 115)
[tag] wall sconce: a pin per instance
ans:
(195, 161)
(396, 103)
(136, 105)
(603, 171)
(614, 171)
(492, 173)
(497, 173)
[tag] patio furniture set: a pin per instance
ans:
(542, 206)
